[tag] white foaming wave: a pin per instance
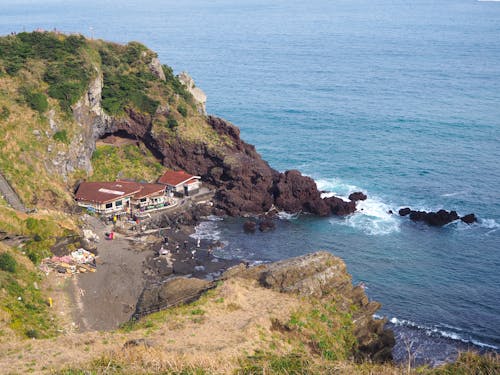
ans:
(282, 215)
(488, 224)
(206, 230)
(335, 186)
(213, 218)
(430, 331)
(372, 217)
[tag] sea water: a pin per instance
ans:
(399, 99)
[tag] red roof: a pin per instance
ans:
(174, 178)
(103, 192)
(150, 189)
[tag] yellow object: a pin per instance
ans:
(50, 301)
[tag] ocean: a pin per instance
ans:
(399, 99)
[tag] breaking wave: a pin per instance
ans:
(206, 230)
(440, 332)
(372, 215)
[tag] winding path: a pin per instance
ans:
(10, 195)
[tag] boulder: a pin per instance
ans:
(340, 207)
(404, 211)
(357, 196)
(469, 219)
(266, 225)
(250, 226)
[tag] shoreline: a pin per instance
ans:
(126, 265)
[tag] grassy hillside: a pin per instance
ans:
(43, 75)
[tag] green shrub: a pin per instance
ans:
(172, 123)
(7, 262)
(37, 101)
(61, 136)
(32, 334)
(182, 110)
(67, 73)
(4, 113)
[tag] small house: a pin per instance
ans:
(180, 183)
(121, 196)
(106, 197)
(151, 196)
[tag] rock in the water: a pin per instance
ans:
(340, 207)
(357, 196)
(469, 219)
(436, 219)
(404, 211)
(266, 225)
(250, 226)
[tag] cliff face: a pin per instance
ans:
(85, 90)
(244, 182)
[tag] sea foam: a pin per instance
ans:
(437, 331)
(372, 215)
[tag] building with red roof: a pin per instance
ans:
(180, 182)
(121, 196)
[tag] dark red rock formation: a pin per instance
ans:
(405, 211)
(357, 196)
(266, 225)
(250, 226)
(245, 183)
(469, 219)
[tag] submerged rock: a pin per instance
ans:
(250, 226)
(266, 225)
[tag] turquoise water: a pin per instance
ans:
(399, 99)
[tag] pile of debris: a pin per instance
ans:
(79, 261)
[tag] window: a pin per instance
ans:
(143, 200)
(118, 203)
(109, 205)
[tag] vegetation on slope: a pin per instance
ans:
(130, 161)
(23, 307)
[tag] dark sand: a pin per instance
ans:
(105, 299)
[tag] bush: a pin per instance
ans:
(182, 110)
(4, 113)
(37, 101)
(61, 136)
(172, 123)
(7, 262)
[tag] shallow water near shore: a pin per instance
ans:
(398, 99)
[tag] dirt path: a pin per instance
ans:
(10, 195)
(106, 298)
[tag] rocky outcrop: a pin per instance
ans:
(469, 219)
(199, 96)
(173, 292)
(323, 276)
(244, 183)
(436, 219)
(250, 226)
(357, 196)
(156, 68)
